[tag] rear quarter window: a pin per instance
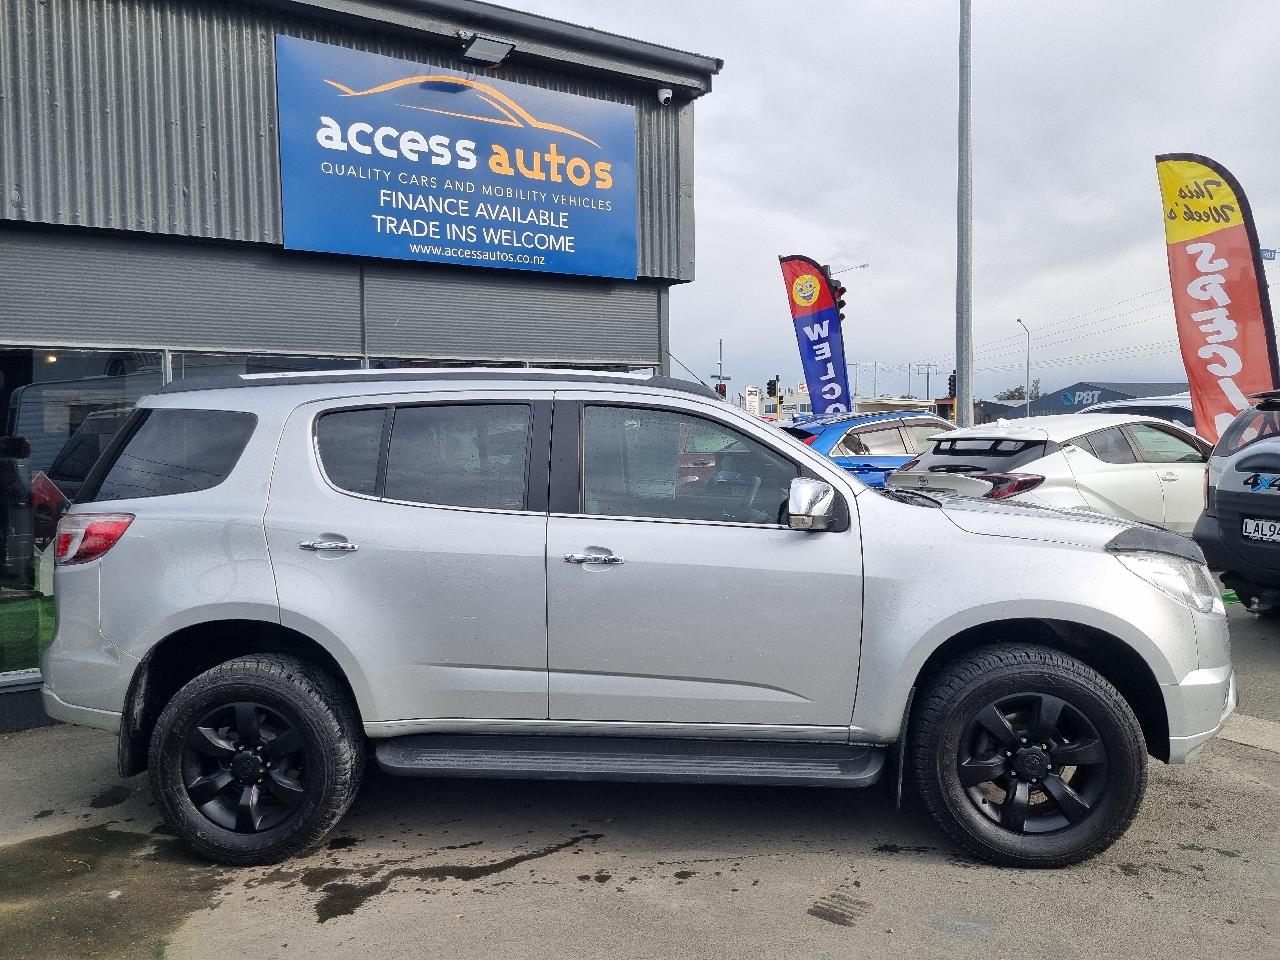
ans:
(161, 452)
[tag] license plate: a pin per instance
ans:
(1254, 529)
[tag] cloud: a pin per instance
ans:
(831, 131)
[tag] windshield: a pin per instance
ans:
(1260, 423)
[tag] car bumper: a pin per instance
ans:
(59, 709)
(1198, 707)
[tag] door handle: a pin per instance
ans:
(1169, 476)
(591, 558)
(345, 546)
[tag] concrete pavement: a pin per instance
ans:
(494, 869)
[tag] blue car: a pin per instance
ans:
(870, 445)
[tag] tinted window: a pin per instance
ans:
(656, 463)
(349, 442)
(74, 461)
(464, 455)
(861, 441)
(978, 455)
(1250, 427)
(176, 451)
(1157, 446)
(1109, 446)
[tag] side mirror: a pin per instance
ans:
(811, 505)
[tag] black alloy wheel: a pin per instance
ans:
(1026, 756)
(245, 767)
(1033, 763)
(257, 758)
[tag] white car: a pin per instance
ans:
(1176, 408)
(1133, 467)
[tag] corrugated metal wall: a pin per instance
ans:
(159, 115)
(70, 288)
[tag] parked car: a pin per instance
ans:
(1134, 468)
(1175, 408)
(499, 574)
(1240, 528)
(870, 445)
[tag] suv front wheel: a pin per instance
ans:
(256, 759)
(1027, 757)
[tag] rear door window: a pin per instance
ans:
(1109, 446)
(167, 451)
(461, 455)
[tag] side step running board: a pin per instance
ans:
(634, 759)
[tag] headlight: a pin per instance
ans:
(1186, 581)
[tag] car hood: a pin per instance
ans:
(1024, 521)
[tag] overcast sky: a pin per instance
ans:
(832, 132)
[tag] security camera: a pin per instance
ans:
(664, 95)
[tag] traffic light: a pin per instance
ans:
(951, 384)
(722, 389)
(838, 290)
(771, 387)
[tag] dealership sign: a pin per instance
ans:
(387, 158)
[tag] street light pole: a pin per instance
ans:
(964, 232)
(1027, 394)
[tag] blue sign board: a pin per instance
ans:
(387, 158)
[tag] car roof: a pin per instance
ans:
(411, 378)
(1059, 427)
(857, 419)
(1172, 400)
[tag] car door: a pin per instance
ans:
(871, 451)
(1180, 463)
(677, 594)
(411, 532)
(1112, 479)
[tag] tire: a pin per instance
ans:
(1001, 796)
(252, 806)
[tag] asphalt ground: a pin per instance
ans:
(498, 869)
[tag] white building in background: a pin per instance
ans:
(795, 403)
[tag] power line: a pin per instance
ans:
(687, 370)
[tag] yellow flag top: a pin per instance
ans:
(1197, 200)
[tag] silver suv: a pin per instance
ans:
(581, 576)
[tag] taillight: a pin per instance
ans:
(808, 441)
(1008, 484)
(909, 465)
(86, 536)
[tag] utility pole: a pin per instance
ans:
(908, 379)
(719, 377)
(1027, 389)
(927, 369)
(964, 230)
(875, 378)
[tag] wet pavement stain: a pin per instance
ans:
(343, 890)
(341, 843)
(112, 796)
(99, 892)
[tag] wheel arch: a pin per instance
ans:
(191, 650)
(1121, 665)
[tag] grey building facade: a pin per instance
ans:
(141, 233)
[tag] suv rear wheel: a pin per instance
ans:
(1028, 757)
(256, 759)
